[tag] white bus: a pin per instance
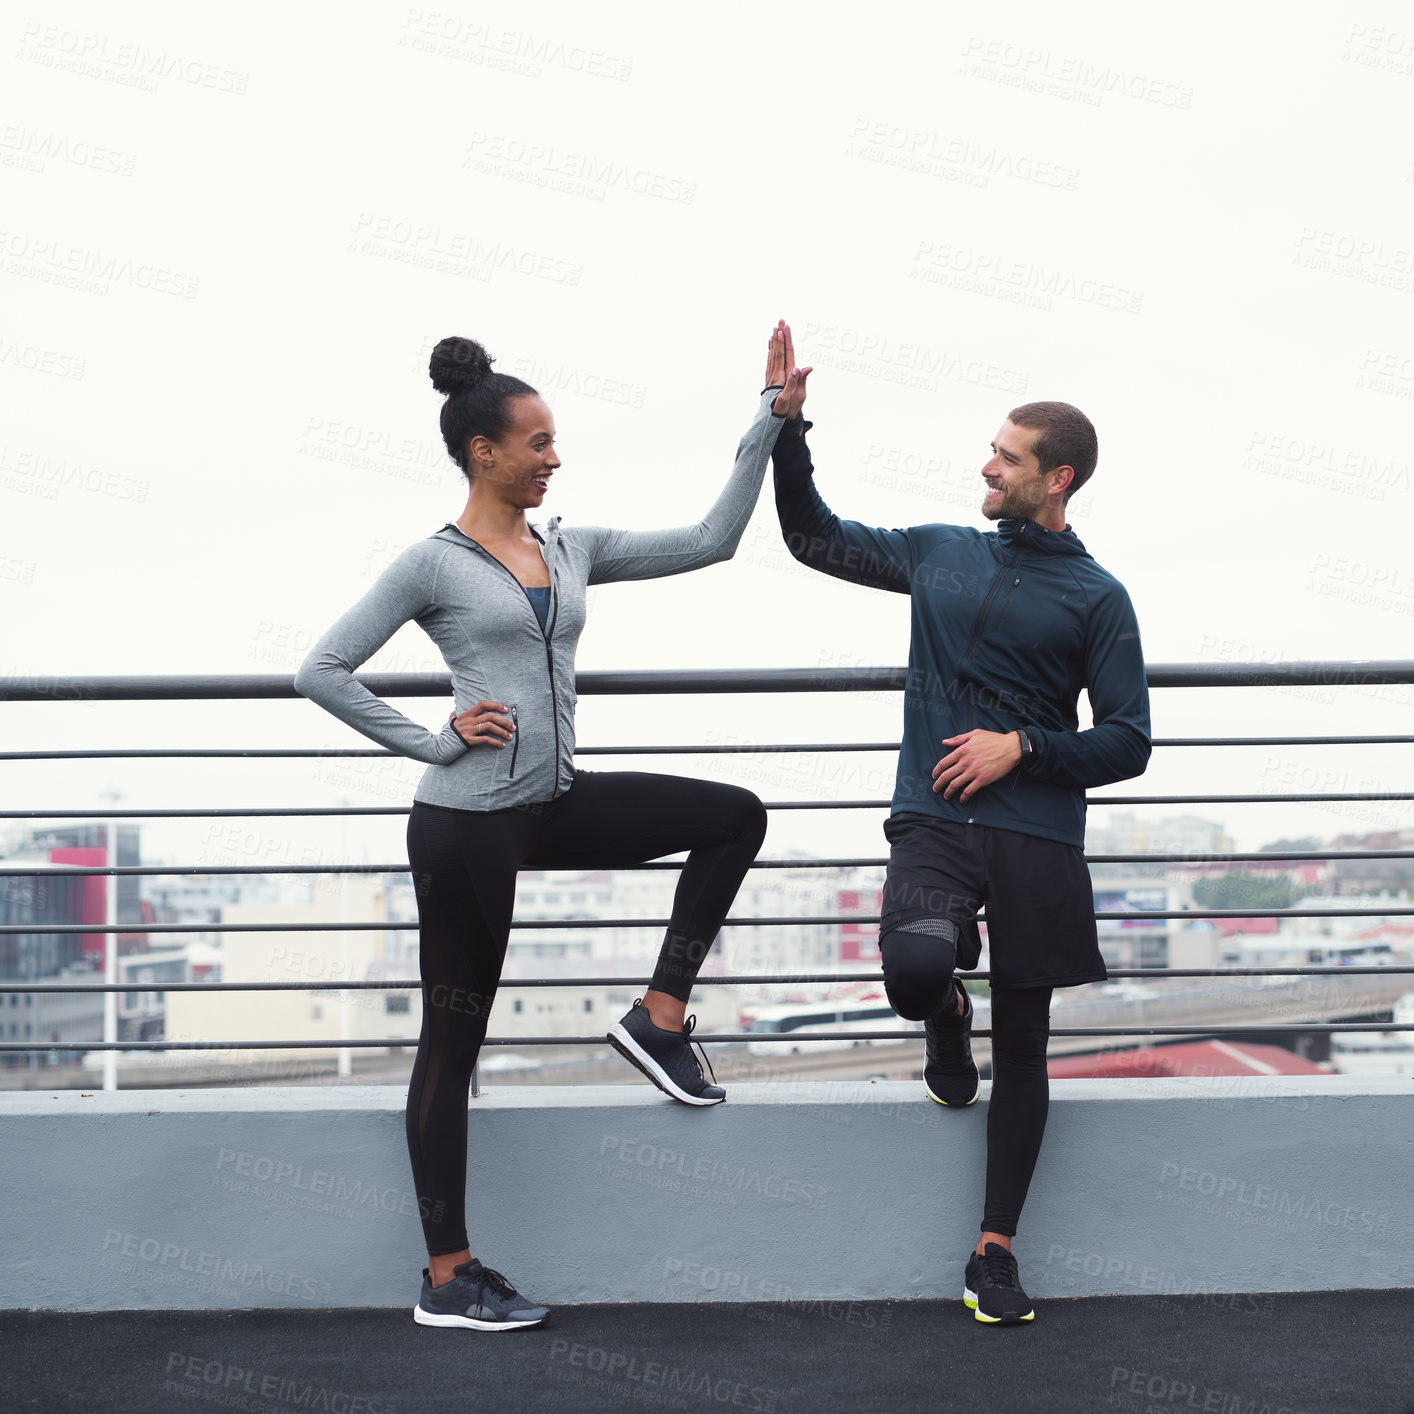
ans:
(838, 1017)
(1388, 1053)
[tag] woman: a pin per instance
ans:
(505, 603)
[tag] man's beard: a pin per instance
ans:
(1018, 502)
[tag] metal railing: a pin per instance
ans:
(191, 688)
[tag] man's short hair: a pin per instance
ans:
(1064, 437)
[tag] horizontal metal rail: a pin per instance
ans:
(274, 812)
(814, 920)
(877, 862)
(789, 979)
(733, 749)
(673, 681)
(727, 1038)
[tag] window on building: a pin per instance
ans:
(397, 1003)
(316, 1013)
(518, 1006)
(589, 1003)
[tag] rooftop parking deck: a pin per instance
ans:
(1334, 1352)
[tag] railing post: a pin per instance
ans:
(110, 963)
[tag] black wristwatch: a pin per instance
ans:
(1028, 752)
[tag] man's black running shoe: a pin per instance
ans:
(665, 1057)
(992, 1289)
(478, 1299)
(949, 1073)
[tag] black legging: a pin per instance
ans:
(918, 973)
(464, 867)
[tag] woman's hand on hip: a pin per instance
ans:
(484, 723)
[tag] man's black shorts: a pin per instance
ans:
(1039, 899)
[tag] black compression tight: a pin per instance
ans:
(464, 867)
(1021, 1097)
(918, 977)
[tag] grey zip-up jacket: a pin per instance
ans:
(476, 612)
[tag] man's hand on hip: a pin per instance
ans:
(979, 758)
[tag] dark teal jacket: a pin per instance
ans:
(1007, 627)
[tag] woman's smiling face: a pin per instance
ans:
(523, 461)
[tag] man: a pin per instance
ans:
(989, 805)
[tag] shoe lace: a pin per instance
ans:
(1000, 1269)
(497, 1283)
(688, 1027)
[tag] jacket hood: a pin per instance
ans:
(1016, 532)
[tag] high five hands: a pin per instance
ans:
(781, 369)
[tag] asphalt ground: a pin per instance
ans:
(1291, 1353)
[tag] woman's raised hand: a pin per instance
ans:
(782, 373)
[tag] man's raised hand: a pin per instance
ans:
(782, 373)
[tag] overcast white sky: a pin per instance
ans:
(231, 237)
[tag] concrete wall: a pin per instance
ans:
(301, 1196)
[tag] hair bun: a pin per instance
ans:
(458, 364)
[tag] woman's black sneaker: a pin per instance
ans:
(477, 1299)
(665, 1057)
(992, 1290)
(949, 1073)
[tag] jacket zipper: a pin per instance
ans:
(997, 622)
(545, 634)
(548, 634)
(982, 619)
